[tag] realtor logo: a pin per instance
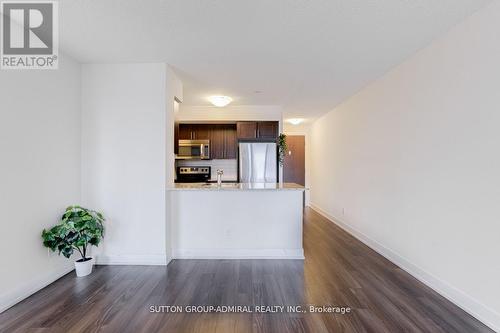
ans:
(29, 35)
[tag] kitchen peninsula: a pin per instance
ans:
(227, 201)
(236, 221)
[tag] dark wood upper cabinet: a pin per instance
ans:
(257, 130)
(176, 138)
(201, 132)
(185, 132)
(230, 142)
(223, 142)
(246, 129)
(216, 141)
(223, 139)
(194, 132)
(267, 129)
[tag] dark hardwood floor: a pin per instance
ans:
(338, 271)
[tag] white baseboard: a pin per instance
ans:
(481, 312)
(238, 254)
(156, 260)
(40, 282)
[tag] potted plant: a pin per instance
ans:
(282, 148)
(79, 229)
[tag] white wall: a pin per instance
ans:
(230, 113)
(174, 96)
(124, 158)
(411, 164)
(39, 172)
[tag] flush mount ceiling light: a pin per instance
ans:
(220, 101)
(295, 121)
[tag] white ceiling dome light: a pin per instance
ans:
(295, 121)
(220, 101)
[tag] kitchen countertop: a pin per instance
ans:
(236, 187)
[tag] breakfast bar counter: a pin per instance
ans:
(236, 221)
(237, 186)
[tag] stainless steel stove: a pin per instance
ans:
(196, 174)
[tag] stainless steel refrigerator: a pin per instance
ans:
(258, 162)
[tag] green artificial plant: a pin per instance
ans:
(282, 148)
(78, 230)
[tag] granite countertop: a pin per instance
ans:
(236, 187)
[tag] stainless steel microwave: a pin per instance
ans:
(194, 149)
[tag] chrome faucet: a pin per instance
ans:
(220, 172)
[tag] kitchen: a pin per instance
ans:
(230, 199)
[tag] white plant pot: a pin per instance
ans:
(84, 268)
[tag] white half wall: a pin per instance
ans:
(411, 165)
(237, 224)
(39, 172)
(126, 110)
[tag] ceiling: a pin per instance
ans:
(306, 56)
